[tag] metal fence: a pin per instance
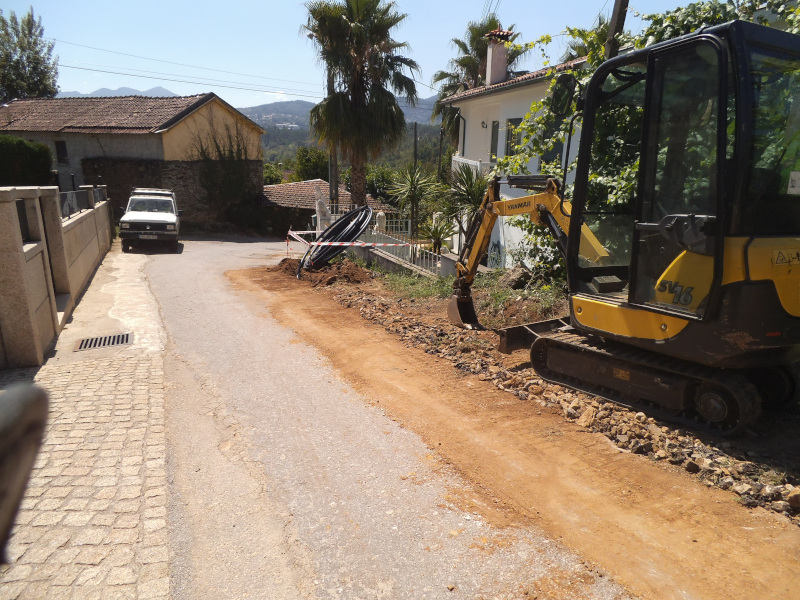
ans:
(74, 202)
(412, 253)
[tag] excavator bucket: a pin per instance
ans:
(461, 312)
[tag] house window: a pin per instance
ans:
(61, 153)
(556, 152)
(495, 136)
(513, 137)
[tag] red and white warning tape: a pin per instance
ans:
(296, 236)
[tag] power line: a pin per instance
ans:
(177, 63)
(232, 87)
(205, 80)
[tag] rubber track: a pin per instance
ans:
(743, 391)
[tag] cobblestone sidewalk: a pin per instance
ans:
(93, 520)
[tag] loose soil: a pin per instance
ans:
(670, 514)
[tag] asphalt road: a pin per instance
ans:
(285, 483)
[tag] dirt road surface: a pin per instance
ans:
(310, 456)
(659, 532)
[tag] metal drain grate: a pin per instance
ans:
(106, 341)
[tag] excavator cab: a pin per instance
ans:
(688, 155)
(682, 234)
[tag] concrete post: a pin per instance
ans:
(33, 202)
(51, 215)
(21, 341)
(89, 189)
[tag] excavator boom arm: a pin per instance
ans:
(546, 208)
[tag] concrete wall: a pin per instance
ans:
(42, 278)
(28, 318)
(84, 145)
(213, 119)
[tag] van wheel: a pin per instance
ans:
(174, 246)
(126, 246)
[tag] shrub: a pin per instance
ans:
(24, 163)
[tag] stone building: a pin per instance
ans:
(137, 141)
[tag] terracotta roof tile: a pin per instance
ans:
(120, 114)
(521, 80)
(500, 34)
(303, 195)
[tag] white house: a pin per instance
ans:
(487, 117)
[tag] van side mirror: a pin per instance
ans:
(563, 92)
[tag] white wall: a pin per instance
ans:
(501, 105)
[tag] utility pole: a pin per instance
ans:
(615, 27)
(415, 145)
(333, 163)
(439, 160)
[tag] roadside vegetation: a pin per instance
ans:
(498, 304)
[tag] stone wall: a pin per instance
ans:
(280, 219)
(121, 174)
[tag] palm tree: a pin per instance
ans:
(468, 69)
(360, 114)
(467, 189)
(579, 46)
(412, 187)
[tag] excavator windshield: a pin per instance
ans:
(772, 202)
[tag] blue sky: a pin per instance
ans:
(252, 53)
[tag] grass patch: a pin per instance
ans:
(415, 286)
(500, 306)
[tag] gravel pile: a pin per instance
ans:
(758, 480)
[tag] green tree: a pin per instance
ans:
(361, 116)
(379, 179)
(468, 69)
(437, 233)
(310, 163)
(273, 173)
(416, 192)
(582, 40)
(28, 68)
(467, 189)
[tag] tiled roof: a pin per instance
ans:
(120, 114)
(500, 34)
(302, 194)
(526, 79)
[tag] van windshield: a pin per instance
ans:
(150, 205)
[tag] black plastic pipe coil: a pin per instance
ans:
(347, 228)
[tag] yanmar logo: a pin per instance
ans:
(517, 205)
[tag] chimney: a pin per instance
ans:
(5, 114)
(497, 56)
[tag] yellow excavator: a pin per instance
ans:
(682, 235)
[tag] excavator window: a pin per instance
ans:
(674, 237)
(614, 162)
(772, 203)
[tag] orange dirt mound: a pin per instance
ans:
(344, 270)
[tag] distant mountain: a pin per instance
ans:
(421, 113)
(123, 91)
(294, 113)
